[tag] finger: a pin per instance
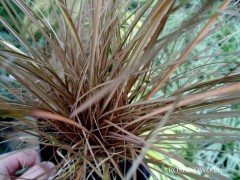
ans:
(41, 171)
(11, 162)
(4, 175)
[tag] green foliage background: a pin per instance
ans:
(227, 160)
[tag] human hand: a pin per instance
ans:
(10, 163)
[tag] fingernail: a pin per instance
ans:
(48, 164)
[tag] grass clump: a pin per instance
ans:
(104, 85)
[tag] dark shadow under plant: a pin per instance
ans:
(106, 85)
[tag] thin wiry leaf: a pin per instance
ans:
(107, 83)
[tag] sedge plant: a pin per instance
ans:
(105, 84)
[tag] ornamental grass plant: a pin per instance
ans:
(120, 87)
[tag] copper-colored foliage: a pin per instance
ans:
(97, 82)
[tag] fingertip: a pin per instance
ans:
(48, 164)
(42, 171)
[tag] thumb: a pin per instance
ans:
(42, 171)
